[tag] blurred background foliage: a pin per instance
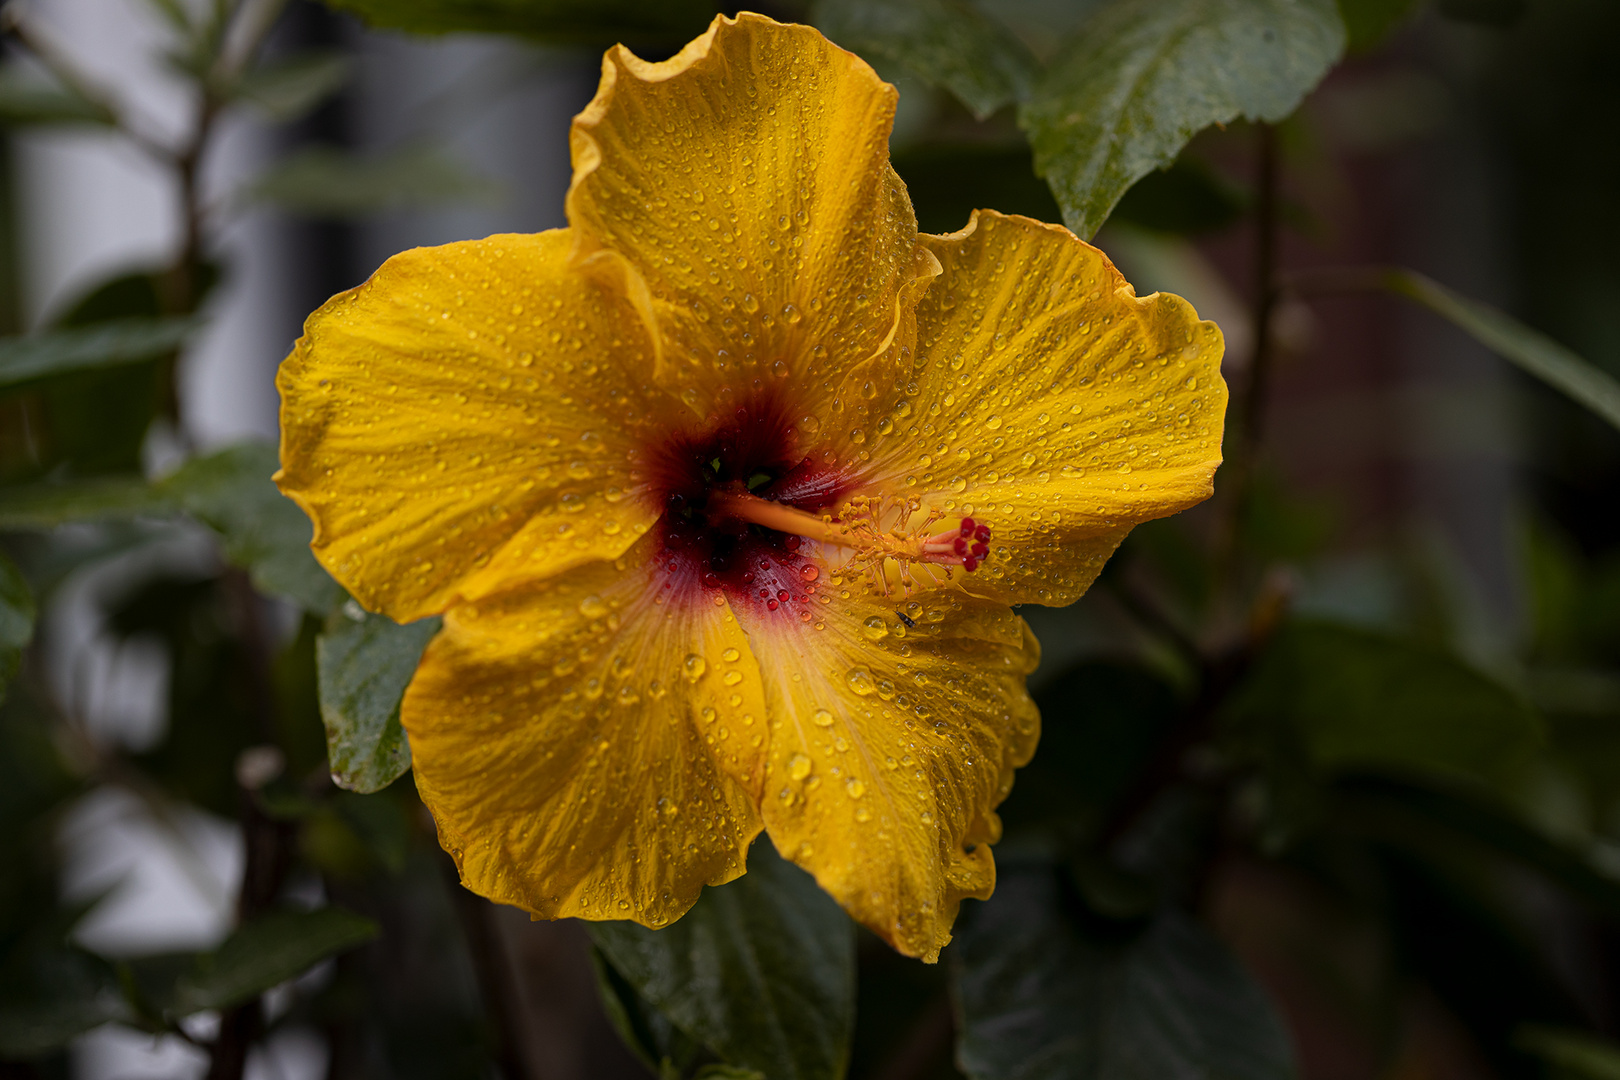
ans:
(1329, 784)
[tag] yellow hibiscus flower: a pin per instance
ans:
(725, 492)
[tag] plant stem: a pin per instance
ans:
(267, 843)
(47, 51)
(185, 275)
(250, 24)
(1151, 616)
(1219, 675)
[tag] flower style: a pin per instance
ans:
(725, 492)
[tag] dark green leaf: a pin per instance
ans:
(263, 953)
(1576, 1052)
(26, 99)
(1043, 997)
(590, 22)
(761, 970)
(1141, 77)
(1532, 352)
(101, 345)
(1367, 22)
(365, 663)
(96, 420)
(50, 995)
(325, 182)
(263, 530)
(45, 506)
(648, 1033)
(1433, 820)
(16, 619)
(949, 43)
(229, 490)
(1349, 698)
(287, 89)
(139, 294)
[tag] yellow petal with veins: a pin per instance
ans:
(747, 180)
(590, 747)
(466, 420)
(891, 745)
(1052, 404)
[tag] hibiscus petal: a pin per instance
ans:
(1051, 404)
(468, 419)
(747, 180)
(591, 747)
(891, 744)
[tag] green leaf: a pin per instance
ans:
(1141, 77)
(16, 620)
(590, 22)
(325, 182)
(49, 996)
(948, 43)
(1368, 22)
(287, 89)
(1435, 822)
(101, 345)
(47, 505)
(648, 1033)
(1352, 699)
(1580, 1053)
(229, 490)
(761, 970)
(176, 14)
(263, 530)
(28, 100)
(365, 662)
(1043, 999)
(95, 420)
(261, 954)
(1532, 352)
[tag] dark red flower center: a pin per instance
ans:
(704, 547)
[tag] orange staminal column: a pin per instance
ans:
(966, 546)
